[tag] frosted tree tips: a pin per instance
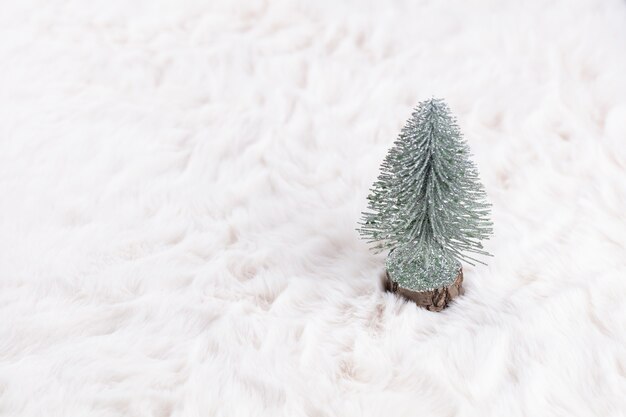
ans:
(428, 207)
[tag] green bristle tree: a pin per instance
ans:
(428, 205)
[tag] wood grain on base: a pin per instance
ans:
(433, 300)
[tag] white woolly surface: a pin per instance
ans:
(180, 183)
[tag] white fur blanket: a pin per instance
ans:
(180, 184)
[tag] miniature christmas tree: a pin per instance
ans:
(429, 207)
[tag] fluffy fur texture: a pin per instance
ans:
(181, 183)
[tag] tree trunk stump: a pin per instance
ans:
(432, 300)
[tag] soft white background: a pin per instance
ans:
(180, 183)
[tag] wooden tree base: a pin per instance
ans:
(433, 300)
